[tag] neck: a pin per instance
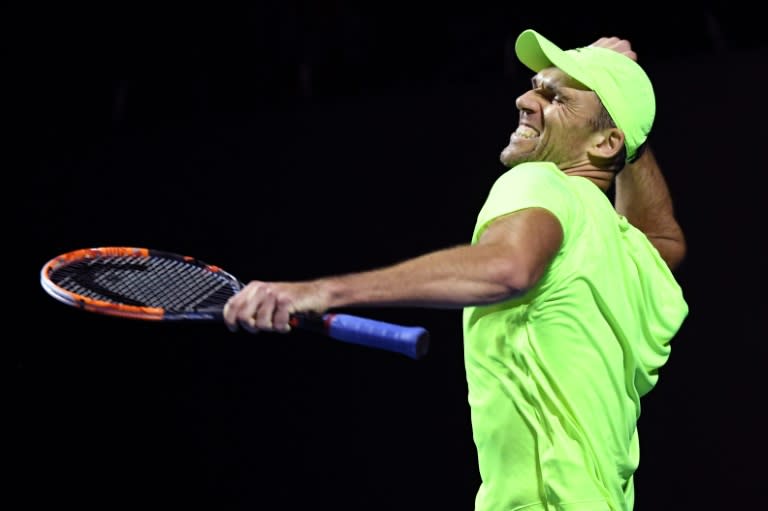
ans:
(601, 178)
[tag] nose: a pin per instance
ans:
(527, 102)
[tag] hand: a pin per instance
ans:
(269, 305)
(614, 43)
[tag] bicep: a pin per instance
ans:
(532, 237)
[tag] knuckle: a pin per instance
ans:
(249, 326)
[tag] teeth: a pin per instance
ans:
(525, 132)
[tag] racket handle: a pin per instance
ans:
(411, 341)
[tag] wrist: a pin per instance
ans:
(332, 292)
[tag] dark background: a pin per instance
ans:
(287, 140)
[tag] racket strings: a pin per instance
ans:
(153, 281)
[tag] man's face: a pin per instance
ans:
(554, 122)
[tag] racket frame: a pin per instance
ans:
(124, 310)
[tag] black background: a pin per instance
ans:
(288, 140)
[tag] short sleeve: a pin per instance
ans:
(528, 185)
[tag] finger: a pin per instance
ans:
(282, 317)
(263, 317)
(229, 316)
(232, 308)
(250, 302)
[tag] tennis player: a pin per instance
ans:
(569, 301)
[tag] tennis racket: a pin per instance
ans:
(145, 284)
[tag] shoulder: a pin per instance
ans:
(528, 185)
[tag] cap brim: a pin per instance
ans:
(537, 52)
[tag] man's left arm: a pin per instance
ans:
(643, 197)
(642, 194)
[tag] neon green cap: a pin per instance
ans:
(621, 84)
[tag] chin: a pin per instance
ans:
(512, 155)
(507, 156)
(510, 158)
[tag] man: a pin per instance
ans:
(569, 301)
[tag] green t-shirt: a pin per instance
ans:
(555, 376)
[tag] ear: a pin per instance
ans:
(606, 143)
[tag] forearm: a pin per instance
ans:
(450, 278)
(643, 197)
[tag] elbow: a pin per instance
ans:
(519, 278)
(676, 255)
(672, 251)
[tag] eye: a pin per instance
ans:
(550, 94)
(544, 93)
(558, 96)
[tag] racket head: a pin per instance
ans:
(139, 283)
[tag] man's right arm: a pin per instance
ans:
(509, 258)
(643, 197)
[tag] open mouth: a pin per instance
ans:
(523, 131)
